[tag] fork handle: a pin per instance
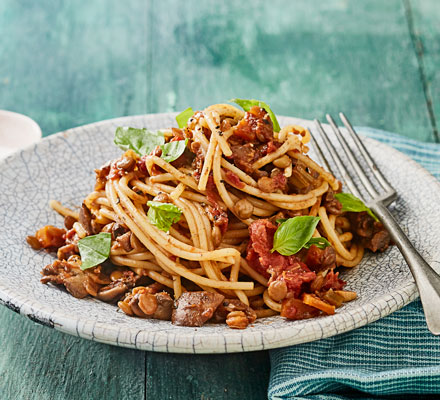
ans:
(427, 280)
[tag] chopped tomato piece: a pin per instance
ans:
(296, 309)
(234, 180)
(50, 236)
(256, 124)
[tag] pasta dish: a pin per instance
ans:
(224, 219)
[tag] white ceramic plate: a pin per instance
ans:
(61, 167)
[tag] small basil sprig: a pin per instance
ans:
(247, 104)
(353, 204)
(184, 116)
(173, 150)
(293, 234)
(142, 141)
(94, 249)
(163, 215)
(320, 242)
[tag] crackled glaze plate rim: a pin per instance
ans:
(194, 340)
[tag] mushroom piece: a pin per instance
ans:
(159, 305)
(123, 241)
(229, 306)
(112, 292)
(75, 285)
(162, 198)
(85, 219)
(67, 251)
(165, 306)
(134, 305)
(216, 234)
(144, 302)
(66, 273)
(195, 308)
(126, 163)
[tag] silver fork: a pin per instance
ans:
(427, 280)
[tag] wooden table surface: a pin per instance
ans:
(68, 63)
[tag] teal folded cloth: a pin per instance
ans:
(393, 358)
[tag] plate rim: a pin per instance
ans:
(109, 334)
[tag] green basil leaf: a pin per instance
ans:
(292, 235)
(173, 150)
(163, 215)
(94, 249)
(353, 204)
(281, 220)
(320, 242)
(247, 104)
(142, 141)
(184, 116)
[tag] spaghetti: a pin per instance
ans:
(226, 196)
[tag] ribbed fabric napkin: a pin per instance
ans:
(393, 358)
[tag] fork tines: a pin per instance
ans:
(426, 278)
(389, 193)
